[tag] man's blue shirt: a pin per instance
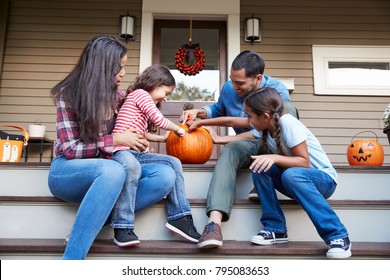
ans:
(231, 105)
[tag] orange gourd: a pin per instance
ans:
(192, 148)
(366, 152)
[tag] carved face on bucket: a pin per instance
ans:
(365, 152)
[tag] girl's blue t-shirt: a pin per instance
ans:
(295, 132)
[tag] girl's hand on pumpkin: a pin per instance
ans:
(262, 163)
(180, 131)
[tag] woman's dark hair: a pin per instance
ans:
(251, 61)
(153, 77)
(267, 100)
(90, 89)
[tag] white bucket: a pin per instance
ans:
(36, 130)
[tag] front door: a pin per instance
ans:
(202, 88)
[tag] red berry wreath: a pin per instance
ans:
(189, 59)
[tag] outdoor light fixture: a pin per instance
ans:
(252, 30)
(127, 27)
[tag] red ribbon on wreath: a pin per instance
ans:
(189, 59)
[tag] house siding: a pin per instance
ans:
(289, 29)
(44, 39)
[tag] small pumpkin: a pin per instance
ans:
(367, 152)
(195, 147)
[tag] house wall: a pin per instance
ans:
(44, 39)
(289, 29)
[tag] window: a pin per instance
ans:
(351, 70)
(170, 35)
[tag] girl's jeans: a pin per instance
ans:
(310, 188)
(160, 176)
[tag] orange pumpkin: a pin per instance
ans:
(367, 152)
(195, 147)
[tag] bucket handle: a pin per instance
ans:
(376, 136)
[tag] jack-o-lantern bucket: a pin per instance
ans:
(366, 152)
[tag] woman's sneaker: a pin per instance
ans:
(267, 238)
(339, 249)
(184, 227)
(124, 237)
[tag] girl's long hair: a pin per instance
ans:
(90, 89)
(153, 77)
(267, 100)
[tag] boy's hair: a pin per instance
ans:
(267, 100)
(152, 77)
(251, 61)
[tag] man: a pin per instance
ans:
(246, 75)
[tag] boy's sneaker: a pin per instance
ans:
(211, 236)
(124, 237)
(253, 195)
(339, 249)
(184, 227)
(267, 238)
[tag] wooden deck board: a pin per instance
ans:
(230, 247)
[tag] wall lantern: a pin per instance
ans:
(252, 30)
(127, 27)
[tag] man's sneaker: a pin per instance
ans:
(124, 237)
(211, 236)
(253, 195)
(184, 227)
(339, 249)
(267, 238)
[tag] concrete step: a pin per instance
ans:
(356, 183)
(47, 217)
(361, 201)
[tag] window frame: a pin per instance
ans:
(323, 54)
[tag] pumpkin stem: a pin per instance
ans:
(188, 106)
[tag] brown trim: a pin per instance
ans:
(202, 202)
(167, 248)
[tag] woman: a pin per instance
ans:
(84, 171)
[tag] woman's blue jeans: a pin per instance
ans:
(310, 188)
(96, 184)
(161, 175)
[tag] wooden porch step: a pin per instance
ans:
(172, 249)
(202, 202)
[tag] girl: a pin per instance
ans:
(140, 112)
(297, 166)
